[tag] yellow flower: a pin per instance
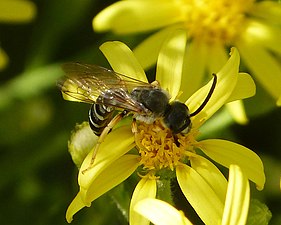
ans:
(159, 151)
(252, 27)
(14, 11)
(235, 210)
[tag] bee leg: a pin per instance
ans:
(135, 132)
(104, 133)
(134, 127)
(176, 139)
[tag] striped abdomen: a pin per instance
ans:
(99, 116)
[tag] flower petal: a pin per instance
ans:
(170, 62)
(116, 143)
(4, 59)
(263, 66)
(279, 101)
(17, 11)
(148, 50)
(114, 174)
(227, 153)
(245, 88)
(237, 111)
(76, 205)
(226, 81)
(211, 174)
(269, 10)
(122, 60)
(263, 34)
(237, 198)
(146, 188)
(217, 57)
(160, 212)
(193, 68)
(200, 195)
(128, 16)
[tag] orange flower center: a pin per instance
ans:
(159, 148)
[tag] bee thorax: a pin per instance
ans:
(155, 100)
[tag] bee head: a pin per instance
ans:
(177, 117)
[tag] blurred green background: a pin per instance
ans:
(38, 178)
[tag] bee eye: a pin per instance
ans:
(177, 118)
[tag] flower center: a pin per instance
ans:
(215, 20)
(159, 148)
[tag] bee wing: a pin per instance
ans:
(85, 83)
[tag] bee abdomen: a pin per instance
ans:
(99, 116)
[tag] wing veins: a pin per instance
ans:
(86, 83)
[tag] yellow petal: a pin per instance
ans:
(237, 111)
(273, 41)
(245, 88)
(193, 68)
(263, 65)
(279, 101)
(226, 82)
(148, 50)
(135, 16)
(263, 34)
(114, 174)
(211, 174)
(160, 212)
(217, 57)
(116, 144)
(269, 10)
(170, 62)
(122, 60)
(227, 153)
(200, 195)
(237, 198)
(4, 59)
(16, 11)
(146, 188)
(76, 205)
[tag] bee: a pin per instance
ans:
(109, 91)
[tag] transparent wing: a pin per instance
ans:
(85, 83)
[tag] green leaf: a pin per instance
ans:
(259, 214)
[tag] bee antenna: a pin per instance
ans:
(207, 98)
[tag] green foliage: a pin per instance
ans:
(259, 213)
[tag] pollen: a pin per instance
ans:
(159, 148)
(216, 21)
